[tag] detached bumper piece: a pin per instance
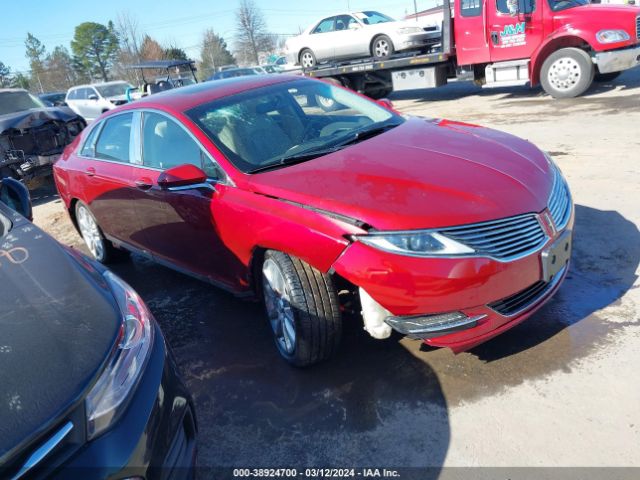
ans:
(429, 326)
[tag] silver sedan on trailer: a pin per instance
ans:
(356, 35)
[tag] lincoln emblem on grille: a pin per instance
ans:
(547, 223)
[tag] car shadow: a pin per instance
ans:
(628, 80)
(44, 193)
(372, 405)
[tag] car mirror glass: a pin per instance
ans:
(181, 176)
(16, 196)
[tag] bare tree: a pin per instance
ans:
(213, 54)
(251, 37)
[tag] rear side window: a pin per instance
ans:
(89, 147)
(115, 138)
(325, 26)
(470, 8)
(73, 94)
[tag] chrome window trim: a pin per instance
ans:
(45, 449)
(100, 125)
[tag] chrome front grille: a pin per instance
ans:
(503, 239)
(559, 201)
(638, 27)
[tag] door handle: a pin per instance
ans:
(143, 183)
(90, 171)
(495, 38)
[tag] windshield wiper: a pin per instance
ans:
(361, 135)
(296, 158)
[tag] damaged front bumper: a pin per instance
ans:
(618, 60)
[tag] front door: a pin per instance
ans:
(177, 226)
(515, 28)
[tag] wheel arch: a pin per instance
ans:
(72, 212)
(564, 40)
(374, 37)
(302, 49)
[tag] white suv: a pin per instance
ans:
(91, 101)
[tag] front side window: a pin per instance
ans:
(294, 120)
(513, 7)
(345, 22)
(557, 5)
(113, 90)
(165, 144)
(115, 138)
(326, 25)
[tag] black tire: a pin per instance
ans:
(567, 73)
(606, 77)
(307, 58)
(382, 47)
(313, 304)
(106, 253)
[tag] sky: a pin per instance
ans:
(169, 22)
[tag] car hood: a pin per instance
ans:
(58, 325)
(421, 174)
(597, 16)
(35, 117)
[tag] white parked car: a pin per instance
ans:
(356, 35)
(91, 101)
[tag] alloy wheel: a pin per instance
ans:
(90, 232)
(381, 48)
(307, 60)
(278, 305)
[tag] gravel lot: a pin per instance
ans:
(561, 389)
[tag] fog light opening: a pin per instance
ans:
(428, 326)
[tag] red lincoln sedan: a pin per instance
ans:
(445, 232)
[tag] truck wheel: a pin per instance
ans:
(378, 93)
(101, 248)
(307, 58)
(382, 47)
(567, 73)
(302, 307)
(606, 77)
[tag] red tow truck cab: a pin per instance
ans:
(562, 44)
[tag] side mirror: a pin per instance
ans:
(16, 196)
(386, 103)
(186, 175)
(92, 97)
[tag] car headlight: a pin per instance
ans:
(612, 36)
(109, 395)
(416, 243)
(409, 30)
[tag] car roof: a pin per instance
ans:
(99, 84)
(185, 98)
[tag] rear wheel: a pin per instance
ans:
(606, 77)
(302, 307)
(382, 47)
(567, 73)
(307, 58)
(101, 248)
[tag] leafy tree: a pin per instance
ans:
(5, 73)
(251, 32)
(59, 69)
(213, 54)
(95, 48)
(34, 52)
(19, 80)
(175, 53)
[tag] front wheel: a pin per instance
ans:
(567, 73)
(302, 307)
(382, 47)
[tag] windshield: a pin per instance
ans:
(18, 101)
(269, 125)
(371, 18)
(557, 5)
(113, 90)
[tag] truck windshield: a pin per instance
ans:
(18, 101)
(557, 5)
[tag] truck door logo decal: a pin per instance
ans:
(513, 35)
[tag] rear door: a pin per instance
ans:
(516, 28)
(322, 39)
(471, 33)
(106, 166)
(178, 225)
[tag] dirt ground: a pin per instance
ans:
(561, 389)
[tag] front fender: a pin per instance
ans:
(565, 37)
